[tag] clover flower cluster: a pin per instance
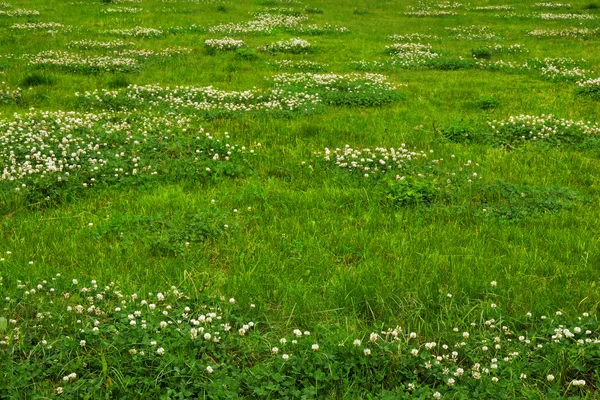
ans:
(326, 28)
(122, 10)
(552, 5)
(4, 4)
(300, 65)
(558, 73)
(407, 55)
(143, 53)
(94, 312)
(447, 4)
(473, 32)
(225, 43)
(75, 62)
(70, 319)
(9, 96)
(334, 82)
(264, 23)
(293, 46)
(549, 16)
(95, 44)
(523, 128)
(568, 32)
(430, 13)
(138, 31)
(206, 99)
(501, 65)
(412, 37)
(558, 69)
(41, 149)
(52, 27)
(510, 49)
(372, 162)
(278, 10)
(19, 12)
(590, 83)
(493, 8)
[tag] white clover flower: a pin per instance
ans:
(414, 352)
(466, 335)
(367, 352)
(315, 347)
(550, 377)
(495, 379)
(451, 381)
(356, 342)
(207, 336)
(82, 343)
(437, 395)
(209, 369)
(59, 390)
(160, 351)
(274, 350)
(282, 340)
(232, 300)
(412, 335)
(285, 357)
(493, 283)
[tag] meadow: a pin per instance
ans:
(299, 199)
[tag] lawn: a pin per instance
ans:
(299, 199)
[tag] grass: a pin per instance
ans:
(315, 246)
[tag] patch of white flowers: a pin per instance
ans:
(122, 10)
(49, 147)
(293, 45)
(225, 43)
(568, 32)
(207, 99)
(300, 65)
(95, 44)
(76, 62)
(544, 127)
(550, 16)
(552, 5)
(473, 32)
(138, 31)
(19, 12)
(8, 95)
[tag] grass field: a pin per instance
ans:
(286, 199)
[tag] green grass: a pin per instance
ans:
(314, 246)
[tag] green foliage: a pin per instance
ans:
(482, 53)
(450, 64)
(461, 132)
(163, 236)
(486, 103)
(410, 191)
(591, 91)
(512, 202)
(246, 53)
(360, 11)
(119, 81)
(37, 79)
(313, 10)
